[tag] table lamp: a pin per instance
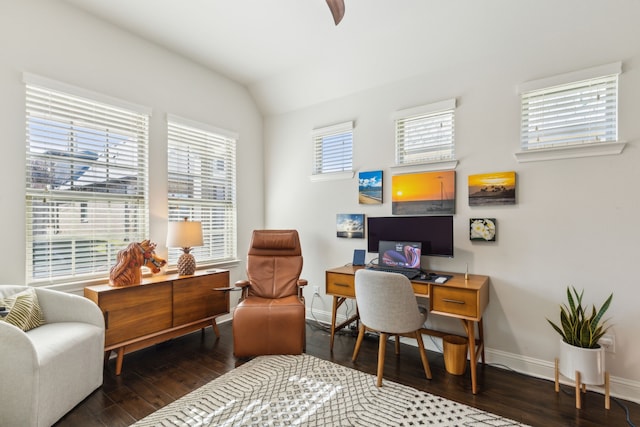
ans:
(185, 234)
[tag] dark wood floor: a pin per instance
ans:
(156, 376)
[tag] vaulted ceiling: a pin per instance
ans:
(290, 54)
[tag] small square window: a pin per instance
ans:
(333, 149)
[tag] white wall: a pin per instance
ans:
(574, 222)
(56, 41)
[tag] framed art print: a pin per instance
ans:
(350, 226)
(491, 189)
(370, 188)
(483, 229)
(424, 193)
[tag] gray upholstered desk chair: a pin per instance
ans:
(387, 304)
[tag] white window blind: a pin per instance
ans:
(202, 186)
(333, 148)
(574, 113)
(425, 134)
(86, 183)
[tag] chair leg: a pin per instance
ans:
(358, 342)
(423, 355)
(381, 349)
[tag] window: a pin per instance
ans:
(202, 186)
(86, 180)
(573, 113)
(333, 149)
(425, 134)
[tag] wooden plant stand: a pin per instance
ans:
(583, 387)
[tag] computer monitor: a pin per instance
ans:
(435, 233)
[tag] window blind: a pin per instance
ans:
(425, 134)
(580, 112)
(86, 183)
(202, 186)
(333, 148)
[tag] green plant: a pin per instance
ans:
(577, 328)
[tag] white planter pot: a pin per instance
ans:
(588, 361)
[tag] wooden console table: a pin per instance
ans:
(161, 308)
(461, 298)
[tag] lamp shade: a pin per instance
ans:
(184, 234)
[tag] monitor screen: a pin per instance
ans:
(435, 233)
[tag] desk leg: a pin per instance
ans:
(481, 337)
(472, 354)
(334, 310)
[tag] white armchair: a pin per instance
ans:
(50, 369)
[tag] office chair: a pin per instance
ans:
(387, 305)
(270, 317)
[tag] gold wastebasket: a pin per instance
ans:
(454, 349)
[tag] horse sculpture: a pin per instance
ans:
(127, 272)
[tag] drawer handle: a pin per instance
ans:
(454, 301)
(344, 285)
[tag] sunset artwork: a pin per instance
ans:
(490, 189)
(424, 193)
(350, 226)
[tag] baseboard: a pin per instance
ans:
(619, 387)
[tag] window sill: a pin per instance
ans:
(332, 176)
(428, 167)
(570, 152)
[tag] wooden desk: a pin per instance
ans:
(458, 298)
(161, 308)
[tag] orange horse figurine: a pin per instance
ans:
(127, 272)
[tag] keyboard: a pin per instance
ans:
(409, 274)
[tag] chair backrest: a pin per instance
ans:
(386, 302)
(274, 263)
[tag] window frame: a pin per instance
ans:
(196, 136)
(88, 191)
(423, 116)
(344, 164)
(551, 86)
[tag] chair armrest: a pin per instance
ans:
(20, 365)
(242, 283)
(303, 282)
(60, 306)
(227, 289)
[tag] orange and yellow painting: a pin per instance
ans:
(424, 193)
(498, 188)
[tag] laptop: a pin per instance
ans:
(399, 257)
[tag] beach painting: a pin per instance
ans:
(491, 189)
(350, 226)
(424, 193)
(370, 188)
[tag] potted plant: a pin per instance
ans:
(580, 331)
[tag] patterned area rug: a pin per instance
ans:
(307, 391)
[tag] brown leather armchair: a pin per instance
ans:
(270, 317)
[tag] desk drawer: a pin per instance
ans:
(456, 301)
(341, 285)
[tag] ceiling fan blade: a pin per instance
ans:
(337, 10)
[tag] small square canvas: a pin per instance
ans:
(483, 229)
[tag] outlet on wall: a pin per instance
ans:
(316, 290)
(608, 341)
